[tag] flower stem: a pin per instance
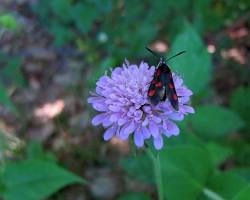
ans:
(157, 168)
(157, 171)
(212, 195)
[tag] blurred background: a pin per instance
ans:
(52, 52)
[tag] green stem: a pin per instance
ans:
(158, 176)
(157, 171)
(212, 195)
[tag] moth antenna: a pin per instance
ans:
(154, 53)
(175, 55)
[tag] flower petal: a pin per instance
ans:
(184, 99)
(154, 129)
(102, 82)
(177, 81)
(170, 128)
(176, 116)
(138, 138)
(183, 91)
(114, 108)
(98, 119)
(143, 67)
(130, 128)
(138, 115)
(145, 122)
(94, 99)
(145, 132)
(187, 109)
(121, 121)
(158, 142)
(100, 107)
(147, 109)
(156, 119)
(114, 117)
(121, 134)
(116, 71)
(109, 133)
(106, 122)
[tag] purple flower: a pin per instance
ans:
(125, 109)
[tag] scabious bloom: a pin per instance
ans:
(125, 109)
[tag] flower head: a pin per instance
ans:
(125, 109)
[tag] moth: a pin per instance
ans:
(162, 86)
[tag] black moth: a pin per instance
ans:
(162, 86)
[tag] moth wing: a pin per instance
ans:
(167, 80)
(172, 96)
(156, 89)
(154, 94)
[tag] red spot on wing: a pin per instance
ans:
(151, 93)
(158, 72)
(171, 86)
(159, 84)
(175, 97)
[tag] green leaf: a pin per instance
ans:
(242, 172)
(185, 138)
(242, 152)
(5, 99)
(227, 185)
(240, 104)
(218, 153)
(35, 151)
(8, 21)
(195, 65)
(190, 168)
(134, 196)
(13, 72)
(215, 121)
(244, 194)
(186, 167)
(61, 9)
(84, 16)
(139, 167)
(35, 179)
(61, 33)
(41, 8)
